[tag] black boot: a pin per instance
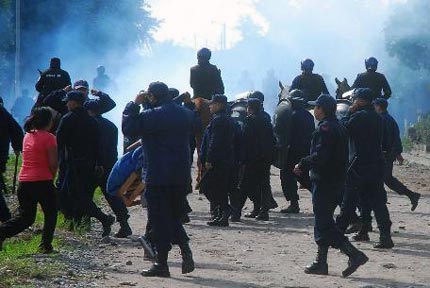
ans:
(362, 235)
(124, 230)
(215, 216)
(385, 241)
(414, 197)
(254, 212)
(293, 208)
(319, 267)
(187, 258)
(263, 215)
(356, 258)
(159, 268)
(107, 223)
(354, 227)
(222, 221)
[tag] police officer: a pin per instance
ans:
(327, 164)
(109, 155)
(365, 174)
(258, 146)
(55, 100)
(10, 132)
(164, 130)
(79, 149)
(302, 127)
(392, 149)
(217, 157)
(260, 96)
(52, 79)
(373, 80)
(310, 83)
(102, 81)
(205, 78)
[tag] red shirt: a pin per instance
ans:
(35, 163)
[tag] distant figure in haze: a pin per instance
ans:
(373, 80)
(310, 83)
(22, 107)
(205, 78)
(52, 79)
(102, 81)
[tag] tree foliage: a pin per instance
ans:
(407, 34)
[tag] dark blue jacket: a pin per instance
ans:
(78, 137)
(302, 127)
(56, 102)
(365, 129)
(10, 131)
(258, 139)
(218, 140)
(205, 79)
(50, 80)
(165, 132)
(328, 157)
(375, 81)
(311, 84)
(391, 143)
(108, 142)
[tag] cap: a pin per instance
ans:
(362, 93)
(75, 96)
(325, 101)
(254, 103)
(158, 89)
(258, 95)
(80, 84)
(92, 105)
(218, 98)
(173, 92)
(380, 101)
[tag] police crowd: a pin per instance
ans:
(343, 161)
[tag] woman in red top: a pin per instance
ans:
(39, 166)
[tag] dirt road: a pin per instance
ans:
(273, 253)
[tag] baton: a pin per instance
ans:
(15, 173)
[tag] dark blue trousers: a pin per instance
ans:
(325, 199)
(166, 204)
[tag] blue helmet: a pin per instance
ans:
(371, 63)
(204, 53)
(307, 65)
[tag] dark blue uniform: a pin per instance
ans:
(218, 149)
(258, 148)
(327, 163)
(50, 80)
(375, 81)
(78, 139)
(10, 131)
(392, 147)
(302, 127)
(205, 79)
(55, 100)
(311, 84)
(365, 175)
(164, 131)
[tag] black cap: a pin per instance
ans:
(81, 84)
(325, 101)
(381, 102)
(363, 93)
(258, 95)
(158, 89)
(254, 103)
(55, 63)
(75, 96)
(92, 105)
(173, 92)
(218, 98)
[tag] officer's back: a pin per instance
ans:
(373, 80)
(302, 127)
(165, 131)
(310, 83)
(52, 79)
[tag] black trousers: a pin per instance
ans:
(392, 182)
(116, 204)
(4, 210)
(217, 185)
(289, 181)
(256, 178)
(29, 194)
